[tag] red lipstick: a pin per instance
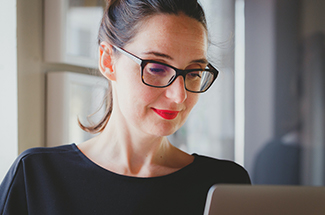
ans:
(166, 114)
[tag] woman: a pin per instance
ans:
(154, 52)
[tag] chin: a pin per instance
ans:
(164, 130)
(162, 133)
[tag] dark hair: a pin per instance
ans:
(121, 22)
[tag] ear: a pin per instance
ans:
(106, 63)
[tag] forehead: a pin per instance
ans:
(172, 34)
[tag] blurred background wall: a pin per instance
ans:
(284, 87)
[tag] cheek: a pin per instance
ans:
(128, 80)
(192, 100)
(132, 95)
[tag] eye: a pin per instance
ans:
(194, 74)
(157, 69)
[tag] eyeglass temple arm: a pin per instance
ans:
(134, 58)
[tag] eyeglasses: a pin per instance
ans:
(157, 74)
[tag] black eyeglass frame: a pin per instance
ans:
(179, 72)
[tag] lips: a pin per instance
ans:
(166, 114)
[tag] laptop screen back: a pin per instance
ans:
(266, 200)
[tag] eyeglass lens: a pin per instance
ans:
(160, 75)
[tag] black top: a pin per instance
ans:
(62, 180)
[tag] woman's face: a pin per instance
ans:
(179, 41)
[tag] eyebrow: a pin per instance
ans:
(202, 60)
(158, 54)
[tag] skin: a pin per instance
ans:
(134, 141)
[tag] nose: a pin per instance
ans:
(176, 91)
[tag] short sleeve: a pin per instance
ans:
(12, 191)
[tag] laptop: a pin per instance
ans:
(266, 200)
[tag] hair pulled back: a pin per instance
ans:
(121, 22)
(122, 18)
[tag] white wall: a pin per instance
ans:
(8, 86)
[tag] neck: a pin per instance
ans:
(128, 151)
